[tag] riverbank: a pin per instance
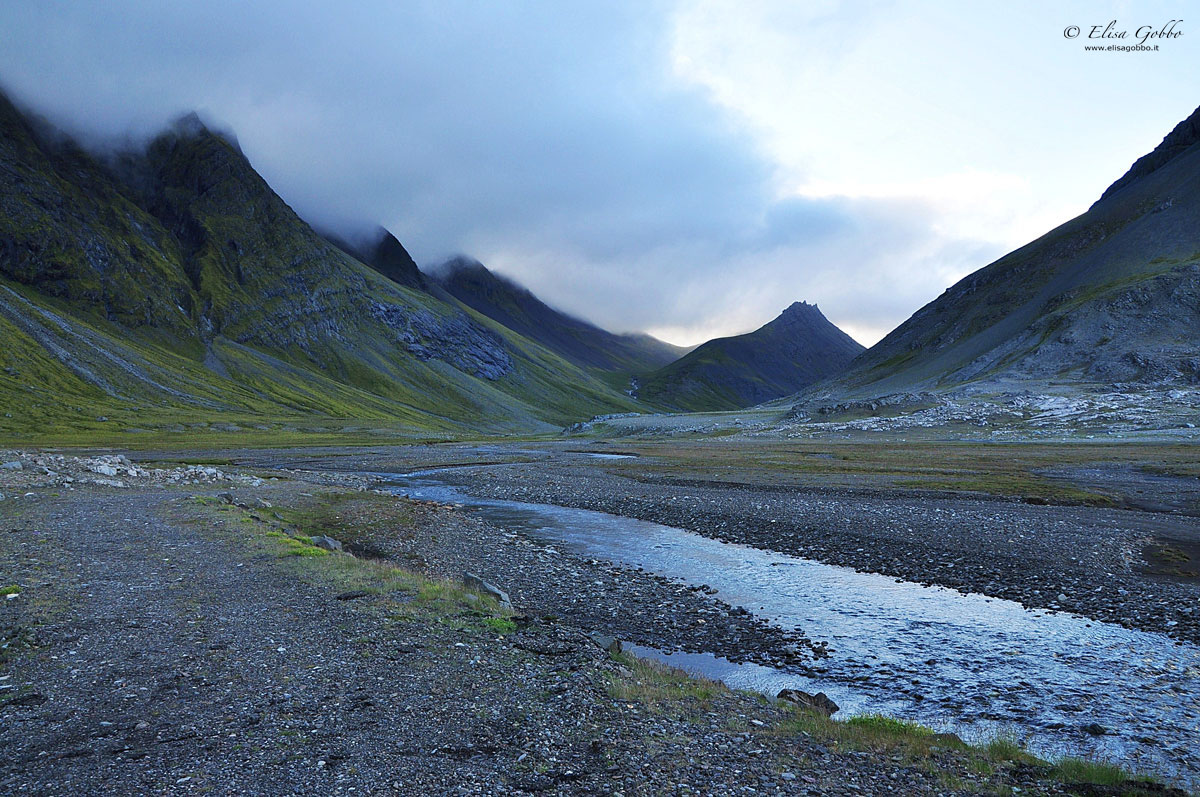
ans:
(1097, 561)
(165, 638)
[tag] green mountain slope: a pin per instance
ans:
(798, 348)
(173, 287)
(577, 341)
(1110, 297)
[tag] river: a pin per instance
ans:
(970, 664)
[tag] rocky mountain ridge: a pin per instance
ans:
(573, 339)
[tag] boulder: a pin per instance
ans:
(14, 465)
(610, 645)
(328, 543)
(819, 702)
(476, 583)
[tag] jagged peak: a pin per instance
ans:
(798, 312)
(800, 307)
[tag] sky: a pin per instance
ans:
(683, 167)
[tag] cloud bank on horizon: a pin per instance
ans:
(687, 168)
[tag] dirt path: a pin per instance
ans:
(178, 661)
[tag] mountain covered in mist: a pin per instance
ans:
(388, 256)
(170, 287)
(1112, 297)
(795, 350)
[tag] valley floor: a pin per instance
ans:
(180, 630)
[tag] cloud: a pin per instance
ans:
(672, 166)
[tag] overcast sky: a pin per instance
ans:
(687, 168)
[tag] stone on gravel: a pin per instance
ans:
(611, 645)
(328, 543)
(14, 465)
(819, 702)
(476, 583)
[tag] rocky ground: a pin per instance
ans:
(999, 412)
(180, 633)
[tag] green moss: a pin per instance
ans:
(1026, 486)
(501, 625)
(408, 595)
(11, 589)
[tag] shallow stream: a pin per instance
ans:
(970, 664)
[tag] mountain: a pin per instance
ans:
(1110, 297)
(171, 289)
(795, 350)
(576, 341)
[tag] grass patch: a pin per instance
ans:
(657, 685)
(1004, 748)
(501, 625)
(1001, 469)
(870, 732)
(1026, 486)
(11, 589)
(352, 518)
(1079, 770)
(888, 725)
(295, 546)
(403, 594)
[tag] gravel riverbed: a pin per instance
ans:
(1083, 560)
